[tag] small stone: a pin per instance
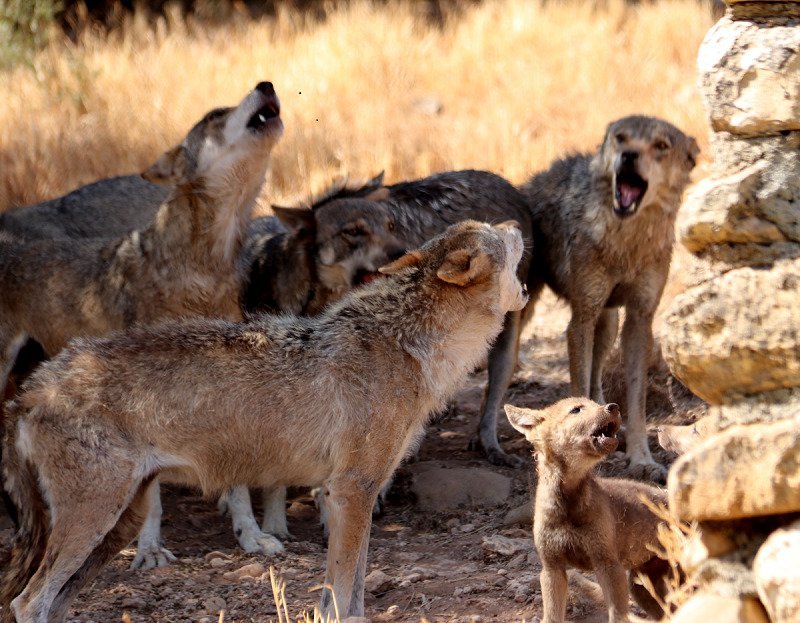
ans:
(216, 563)
(777, 574)
(519, 516)
(452, 523)
(216, 554)
(705, 607)
(254, 570)
(214, 604)
(467, 527)
(134, 602)
(378, 582)
(505, 546)
(393, 611)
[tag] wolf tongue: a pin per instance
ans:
(628, 194)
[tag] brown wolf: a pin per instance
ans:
(183, 264)
(357, 235)
(584, 521)
(603, 228)
(335, 399)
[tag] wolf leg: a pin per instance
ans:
(605, 332)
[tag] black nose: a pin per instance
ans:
(612, 407)
(266, 88)
(629, 157)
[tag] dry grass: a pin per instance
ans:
(520, 84)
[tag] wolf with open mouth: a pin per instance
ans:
(603, 231)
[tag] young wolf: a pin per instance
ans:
(273, 401)
(357, 235)
(183, 264)
(603, 228)
(584, 521)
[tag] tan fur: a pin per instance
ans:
(275, 401)
(583, 521)
(601, 253)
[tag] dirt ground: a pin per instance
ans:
(455, 565)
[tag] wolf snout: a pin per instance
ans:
(266, 88)
(613, 408)
(629, 158)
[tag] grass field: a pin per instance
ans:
(518, 84)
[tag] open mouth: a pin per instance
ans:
(629, 188)
(262, 117)
(604, 437)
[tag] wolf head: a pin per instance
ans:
(228, 146)
(470, 257)
(645, 158)
(576, 433)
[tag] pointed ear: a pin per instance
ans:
(412, 258)
(377, 191)
(169, 169)
(295, 219)
(524, 420)
(461, 267)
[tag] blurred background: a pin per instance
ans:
(101, 88)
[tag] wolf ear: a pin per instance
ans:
(524, 420)
(295, 219)
(692, 151)
(462, 267)
(169, 169)
(412, 258)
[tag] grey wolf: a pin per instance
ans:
(183, 264)
(356, 235)
(334, 399)
(603, 227)
(584, 521)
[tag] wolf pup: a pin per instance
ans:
(603, 228)
(274, 401)
(584, 521)
(357, 235)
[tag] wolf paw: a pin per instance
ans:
(276, 527)
(257, 542)
(152, 557)
(648, 472)
(223, 507)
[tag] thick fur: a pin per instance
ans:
(355, 236)
(600, 254)
(581, 520)
(336, 400)
(185, 263)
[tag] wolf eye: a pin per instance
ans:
(390, 225)
(216, 113)
(353, 230)
(620, 137)
(661, 145)
(576, 410)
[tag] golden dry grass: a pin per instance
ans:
(520, 84)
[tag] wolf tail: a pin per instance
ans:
(31, 539)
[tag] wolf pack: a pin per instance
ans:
(152, 330)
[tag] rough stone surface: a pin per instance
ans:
(746, 471)
(521, 515)
(706, 607)
(750, 76)
(378, 582)
(441, 489)
(505, 546)
(725, 339)
(777, 574)
(765, 407)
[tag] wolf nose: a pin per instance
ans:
(629, 157)
(266, 88)
(612, 407)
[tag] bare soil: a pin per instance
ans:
(439, 566)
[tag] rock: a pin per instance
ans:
(705, 607)
(216, 563)
(722, 349)
(773, 406)
(498, 544)
(356, 620)
(254, 570)
(519, 516)
(216, 554)
(134, 602)
(214, 604)
(750, 76)
(439, 488)
(745, 471)
(378, 582)
(393, 611)
(777, 574)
